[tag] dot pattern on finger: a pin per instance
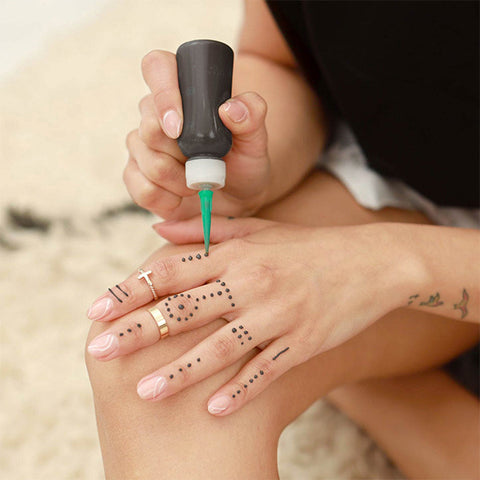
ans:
(183, 313)
(171, 376)
(260, 372)
(129, 330)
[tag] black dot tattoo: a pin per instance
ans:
(233, 396)
(261, 372)
(120, 334)
(168, 309)
(175, 296)
(218, 281)
(198, 256)
(197, 299)
(240, 327)
(183, 259)
(234, 330)
(205, 254)
(211, 295)
(179, 319)
(251, 380)
(245, 386)
(139, 325)
(191, 314)
(171, 376)
(181, 294)
(255, 376)
(204, 297)
(190, 258)
(233, 304)
(222, 284)
(245, 332)
(171, 315)
(196, 308)
(239, 391)
(189, 365)
(219, 293)
(186, 319)
(180, 370)
(227, 290)
(198, 359)
(181, 307)
(239, 336)
(129, 329)
(242, 343)
(249, 338)
(189, 296)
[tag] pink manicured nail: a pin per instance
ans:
(172, 123)
(100, 308)
(218, 405)
(236, 110)
(151, 387)
(103, 345)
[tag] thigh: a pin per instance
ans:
(394, 345)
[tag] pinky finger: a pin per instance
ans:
(254, 378)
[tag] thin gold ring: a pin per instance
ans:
(145, 276)
(160, 321)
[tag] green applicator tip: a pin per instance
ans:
(206, 207)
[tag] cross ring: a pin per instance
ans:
(145, 275)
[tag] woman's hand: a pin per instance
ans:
(155, 172)
(292, 291)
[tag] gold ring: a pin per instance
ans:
(160, 321)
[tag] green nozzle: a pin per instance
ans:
(206, 206)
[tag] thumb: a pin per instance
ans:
(223, 228)
(244, 115)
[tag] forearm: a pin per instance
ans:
(296, 124)
(446, 268)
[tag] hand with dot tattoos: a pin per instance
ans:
(292, 291)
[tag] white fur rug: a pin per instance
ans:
(63, 120)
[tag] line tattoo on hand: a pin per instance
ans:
(412, 298)
(462, 304)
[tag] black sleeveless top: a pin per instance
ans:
(405, 77)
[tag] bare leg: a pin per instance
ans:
(427, 423)
(177, 438)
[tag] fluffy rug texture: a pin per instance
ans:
(67, 229)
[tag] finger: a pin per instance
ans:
(222, 229)
(160, 168)
(147, 194)
(182, 312)
(254, 378)
(151, 132)
(244, 115)
(159, 276)
(160, 73)
(219, 350)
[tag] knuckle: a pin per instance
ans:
(149, 130)
(146, 195)
(149, 60)
(130, 138)
(165, 268)
(222, 347)
(262, 276)
(265, 365)
(165, 170)
(183, 306)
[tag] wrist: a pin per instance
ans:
(404, 268)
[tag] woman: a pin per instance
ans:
(330, 286)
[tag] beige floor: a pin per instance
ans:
(63, 119)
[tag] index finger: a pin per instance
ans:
(159, 70)
(159, 276)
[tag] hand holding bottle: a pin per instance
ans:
(155, 172)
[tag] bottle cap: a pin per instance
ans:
(205, 172)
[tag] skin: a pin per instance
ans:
(401, 343)
(264, 277)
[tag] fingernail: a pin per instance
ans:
(172, 123)
(103, 345)
(218, 405)
(151, 387)
(236, 110)
(100, 308)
